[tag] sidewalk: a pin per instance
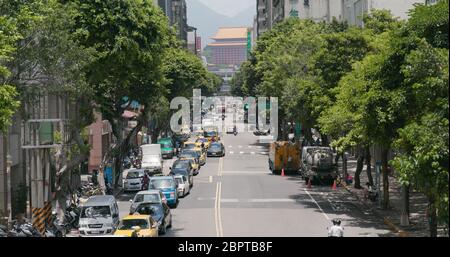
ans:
(418, 203)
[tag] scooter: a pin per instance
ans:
(54, 229)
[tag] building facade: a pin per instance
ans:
(230, 46)
(176, 12)
(271, 12)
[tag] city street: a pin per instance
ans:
(238, 196)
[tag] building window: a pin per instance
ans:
(306, 3)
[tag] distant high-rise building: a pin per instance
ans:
(230, 46)
(270, 12)
(176, 11)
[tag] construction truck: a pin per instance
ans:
(317, 164)
(284, 155)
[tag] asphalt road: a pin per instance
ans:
(238, 196)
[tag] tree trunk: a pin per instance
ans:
(325, 141)
(384, 163)
(368, 165)
(344, 165)
(432, 217)
(404, 219)
(359, 166)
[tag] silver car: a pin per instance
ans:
(133, 180)
(148, 196)
(183, 186)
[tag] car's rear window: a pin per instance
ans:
(129, 224)
(134, 174)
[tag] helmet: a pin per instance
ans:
(336, 222)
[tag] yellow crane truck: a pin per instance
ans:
(284, 155)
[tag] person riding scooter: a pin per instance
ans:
(336, 230)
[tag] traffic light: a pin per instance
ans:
(246, 107)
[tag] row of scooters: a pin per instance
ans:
(55, 228)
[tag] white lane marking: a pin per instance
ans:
(230, 146)
(231, 152)
(241, 152)
(229, 200)
(216, 214)
(262, 152)
(219, 216)
(240, 146)
(252, 152)
(249, 146)
(210, 179)
(245, 172)
(320, 208)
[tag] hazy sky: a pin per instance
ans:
(229, 7)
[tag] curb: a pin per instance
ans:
(394, 228)
(118, 193)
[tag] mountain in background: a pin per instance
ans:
(207, 21)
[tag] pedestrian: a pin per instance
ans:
(336, 230)
(94, 177)
(145, 182)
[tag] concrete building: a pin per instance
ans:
(176, 11)
(27, 153)
(270, 12)
(263, 15)
(100, 139)
(354, 9)
(317, 10)
(230, 46)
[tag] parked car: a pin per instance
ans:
(148, 196)
(168, 187)
(230, 129)
(167, 148)
(134, 180)
(183, 167)
(183, 185)
(141, 225)
(216, 149)
(99, 216)
(160, 212)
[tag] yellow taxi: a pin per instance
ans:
(189, 145)
(204, 141)
(202, 153)
(212, 134)
(193, 155)
(137, 225)
(198, 133)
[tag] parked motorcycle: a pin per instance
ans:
(55, 229)
(23, 230)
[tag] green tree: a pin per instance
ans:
(130, 38)
(423, 141)
(431, 22)
(8, 94)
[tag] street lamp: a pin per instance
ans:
(8, 190)
(194, 29)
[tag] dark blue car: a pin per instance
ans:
(167, 185)
(160, 212)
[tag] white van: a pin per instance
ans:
(99, 216)
(152, 158)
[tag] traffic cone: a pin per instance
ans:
(334, 185)
(282, 172)
(309, 183)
